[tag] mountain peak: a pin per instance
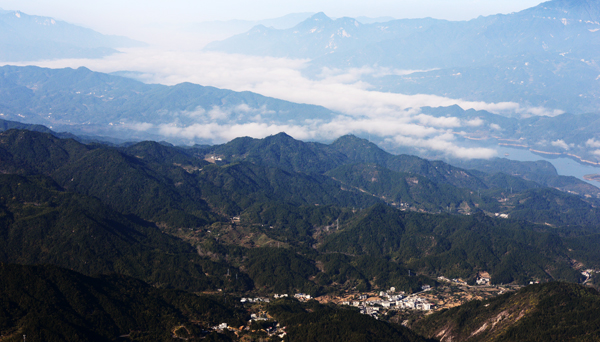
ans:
(279, 137)
(587, 10)
(320, 17)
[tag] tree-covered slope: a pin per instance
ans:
(545, 312)
(457, 246)
(42, 223)
(405, 189)
(47, 303)
(317, 322)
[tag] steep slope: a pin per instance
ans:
(167, 185)
(457, 246)
(313, 321)
(545, 312)
(362, 151)
(282, 151)
(48, 303)
(119, 180)
(44, 224)
(405, 189)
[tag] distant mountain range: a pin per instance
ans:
(26, 37)
(94, 103)
(542, 56)
(232, 27)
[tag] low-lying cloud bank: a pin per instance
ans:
(393, 117)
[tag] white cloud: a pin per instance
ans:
(495, 127)
(223, 133)
(198, 112)
(216, 113)
(363, 110)
(539, 111)
(593, 143)
(474, 122)
(561, 143)
(276, 77)
(139, 126)
(444, 144)
(428, 120)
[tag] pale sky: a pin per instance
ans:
(132, 17)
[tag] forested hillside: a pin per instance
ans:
(277, 215)
(548, 312)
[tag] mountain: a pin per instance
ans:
(43, 223)
(28, 38)
(232, 27)
(319, 216)
(544, 56)
(456, 246)
(53, 304)
(541, 172)
(47, 303)
(284, 152)
(99, 104)
(586, 10)
(101, 107)
(544, 312)
(313, 321)
(315, 37)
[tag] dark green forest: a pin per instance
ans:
(273, 215)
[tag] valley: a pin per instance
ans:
(343, 223)
(309, 177)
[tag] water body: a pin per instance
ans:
(564, 166)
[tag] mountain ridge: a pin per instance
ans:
(29, 38)
(509, 48)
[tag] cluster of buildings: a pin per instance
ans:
(454, 280)
(483, 281)
(299, 296)
(390, 301)
(588, 273)
(255, 300)
(302, 296)
(275, 329)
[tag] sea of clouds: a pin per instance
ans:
(394, 118)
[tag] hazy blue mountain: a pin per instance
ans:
(232, 27)
(542, 56)
(317, 36)
(26, 37)
(366, 20)
(96, 103)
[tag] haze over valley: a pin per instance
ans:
(371, 96)
(284, 171)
